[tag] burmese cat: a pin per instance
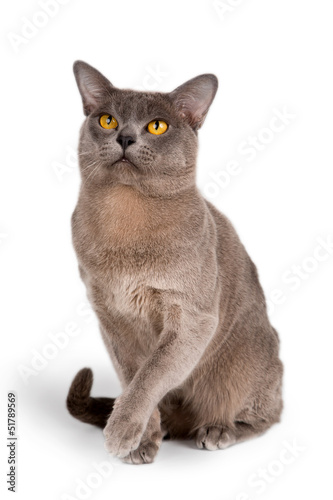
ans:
(180, 307)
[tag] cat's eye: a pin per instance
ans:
(157, 127)
(108, 121)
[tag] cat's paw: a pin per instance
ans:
(122, 436)
(144, 454)
(215, 437)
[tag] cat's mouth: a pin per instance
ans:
(124, 161)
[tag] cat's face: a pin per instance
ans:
(144, 139)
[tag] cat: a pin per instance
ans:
(178, 299)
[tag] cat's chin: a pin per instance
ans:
(125, 162)
(123, 171)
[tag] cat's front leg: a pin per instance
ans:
(150, 442)
(183, 340)
(129, 435)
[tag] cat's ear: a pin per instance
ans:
(93, 86)
(193, 99)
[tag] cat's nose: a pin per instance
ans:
(125, 141)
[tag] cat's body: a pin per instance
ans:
(178, 299)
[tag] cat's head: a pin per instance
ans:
(143, 139)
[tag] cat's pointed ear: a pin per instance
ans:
(193, 99)
(93, 86)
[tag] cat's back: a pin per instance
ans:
(229, 246)
(238, 273)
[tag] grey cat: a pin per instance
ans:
(178, 299)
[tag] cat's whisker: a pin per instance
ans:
(152, 169)
(85, 153)
(92, 173)
(89, 166)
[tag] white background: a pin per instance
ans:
(267, 55)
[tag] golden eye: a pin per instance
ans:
(108, 121)
(157, 127)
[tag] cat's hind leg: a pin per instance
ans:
(220, 437)
(248, 424)
(215, 437)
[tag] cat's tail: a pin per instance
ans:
(82, 406)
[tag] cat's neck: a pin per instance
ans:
(122, 215)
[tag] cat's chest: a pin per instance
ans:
(136, 298)
(127, 250)
(124, 289)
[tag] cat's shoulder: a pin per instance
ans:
(222, 222)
